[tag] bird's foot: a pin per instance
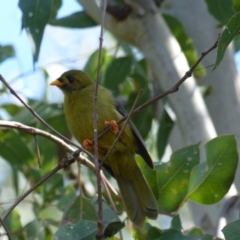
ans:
(88, 144)
(114, 126)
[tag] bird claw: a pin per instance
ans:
(114, 126)
(88, 144)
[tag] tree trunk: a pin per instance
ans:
(224, 103)
(146, 29)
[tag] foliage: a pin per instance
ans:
(60, 211)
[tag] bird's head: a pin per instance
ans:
(72, 80)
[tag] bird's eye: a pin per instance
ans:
(71, 80)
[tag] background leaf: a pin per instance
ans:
(82, 230)
(222, 10)
(230, 31)
(6, 52)
(173, 177)
(117, 72)
(36, 15)
(165, 127)
(211, 180)
(185, 43)
(92, 64)
(75, 20)
(232, 231)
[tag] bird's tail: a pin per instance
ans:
(138, 198)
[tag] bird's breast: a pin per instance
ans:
(79, 117)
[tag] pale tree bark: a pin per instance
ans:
(148, 31)
(224, 103)
(145, 28)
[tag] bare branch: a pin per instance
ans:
(36, 115)
(95, 118)
(169, 91)
(6, 231)
(53, 138)
(124, 125)
(63, 164)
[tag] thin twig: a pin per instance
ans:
(167, 92)
(95, 118)
(37, 116)
(109, 196)
(53, 138)
(124, 125)
(75, 154)
(6, 231)
(63, 164)
(38, 151)
(80, 188)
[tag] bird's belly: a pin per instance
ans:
(81, 125)
(80, 122)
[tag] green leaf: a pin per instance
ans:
(52, 113)
(55, 7)
(195, 231)
(148, 232)
(222, 10)
(82, 230)
(50, 214)
(13, 222)
(143, 120)
(139, 81)
(230, 31)
(6, 52)
(36, 14)
(36, 230)
(173, 177)
(12, 109)
(232, 231)
(75, 20)
(117, 72)
(211, 180)
(149, 174)
(163, 133)
(236, 43)
(67, 195)
(172, 234)
(51, 187)
(92, 64)
(33, 174)
(176, 223)
(48, 151)
(15, 177)
(236, 5)
(111, 221)
(113, 228)
(185, 43)
(79, 208)
(14, 149)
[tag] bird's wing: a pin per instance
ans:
(141, 149)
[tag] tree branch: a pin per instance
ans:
(38, 117)
(95, 124)
(64, 163)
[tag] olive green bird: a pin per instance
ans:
(79, 90)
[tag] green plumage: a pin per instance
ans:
(79, 91)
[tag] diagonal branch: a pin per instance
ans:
(36, 115)
(171, 90)
(95, 122)
(63, 164)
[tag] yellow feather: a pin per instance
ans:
(79, 91)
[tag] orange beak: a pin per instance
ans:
(57, 83)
